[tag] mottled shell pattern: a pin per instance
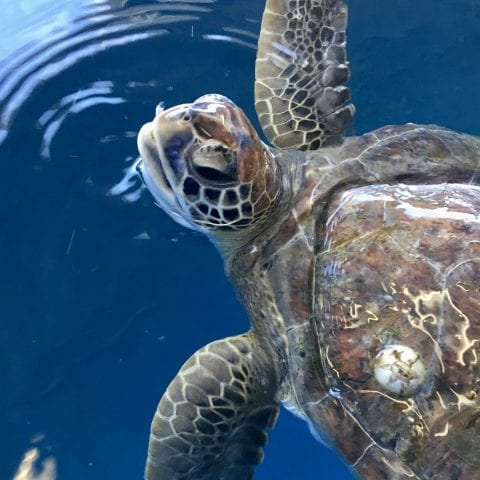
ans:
(371, 292)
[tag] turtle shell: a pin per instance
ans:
(397, 324)
(397, 319)
(369, 290)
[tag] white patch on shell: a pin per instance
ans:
(399, 369)
(440, 212)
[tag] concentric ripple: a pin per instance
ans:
(95, 29)
(96, 94)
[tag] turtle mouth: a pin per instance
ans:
(161, 179)
(160, 170)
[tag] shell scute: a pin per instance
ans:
(397, 289)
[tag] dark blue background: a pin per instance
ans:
(95, 318)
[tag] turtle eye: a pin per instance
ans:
(215, 163)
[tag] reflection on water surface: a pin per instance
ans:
(103, 296)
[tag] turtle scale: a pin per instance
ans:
(358, 264)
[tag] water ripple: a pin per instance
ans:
(130, 187)
(230, 39)
(50, 121)
(235, 39)
(95, 29)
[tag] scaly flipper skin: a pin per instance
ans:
(301, 71)
(211, 422)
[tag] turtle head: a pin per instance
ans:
(206, 166)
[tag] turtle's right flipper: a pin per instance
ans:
(211, 422)
(301, 71)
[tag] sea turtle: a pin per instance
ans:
(357, 259)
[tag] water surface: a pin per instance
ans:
(102, 296)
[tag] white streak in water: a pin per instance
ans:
(227, 38)
(78, 107)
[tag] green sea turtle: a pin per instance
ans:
(357, 259)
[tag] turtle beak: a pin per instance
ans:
(150, 168)
(161, 164)
(172, 135)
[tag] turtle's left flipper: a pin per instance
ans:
(301, 98)
(211, 422)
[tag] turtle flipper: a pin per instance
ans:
(211, 422)
(301, 71)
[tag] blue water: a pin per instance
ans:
(102, 296)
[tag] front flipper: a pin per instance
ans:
(211, 422)
(301, 71)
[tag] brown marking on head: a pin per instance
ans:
(207, 166)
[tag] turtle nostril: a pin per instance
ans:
(187, 115)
